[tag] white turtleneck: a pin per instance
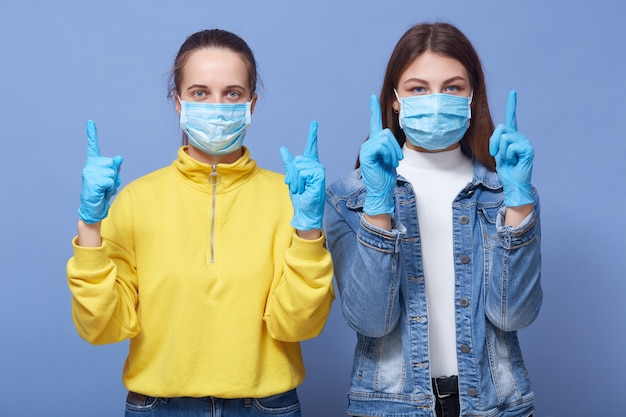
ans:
(437, 179)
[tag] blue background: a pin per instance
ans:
(63, 62)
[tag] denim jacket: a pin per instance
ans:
(381, 282)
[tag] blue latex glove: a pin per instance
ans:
(379, 158)
(514, 158)
(307, 184)
(100, 180)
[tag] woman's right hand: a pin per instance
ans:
(379, 158)
(100, 180)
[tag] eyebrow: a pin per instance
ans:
(196, 86)
(191, 87)
(449, 80)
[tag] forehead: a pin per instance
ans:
(209, 65)
(430, 66)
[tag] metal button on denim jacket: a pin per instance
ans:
(381, 283)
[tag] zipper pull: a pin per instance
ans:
(214, 176)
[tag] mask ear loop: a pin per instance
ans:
(469, 105)
(400, 112)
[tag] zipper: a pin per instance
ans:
(214, 179)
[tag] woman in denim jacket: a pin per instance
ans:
(435, 240)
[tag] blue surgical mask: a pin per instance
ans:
(434, 121)
(215, 128)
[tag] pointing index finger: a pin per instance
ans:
(376, 121)
(511, 110)
(311, 143)
(93, 149)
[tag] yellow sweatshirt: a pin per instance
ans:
(201, 269)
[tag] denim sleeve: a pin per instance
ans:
(514, 293)
(365, 262)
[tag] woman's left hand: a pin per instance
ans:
(514, 158)
(307, 184)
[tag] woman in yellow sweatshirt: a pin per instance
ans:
(212, 266)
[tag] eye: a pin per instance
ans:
(233, 95)
(419, 90)
(451, 89)
(199, 94)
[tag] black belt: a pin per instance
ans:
(445, 386)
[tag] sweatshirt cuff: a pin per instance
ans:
(90, 258)
(314, 250)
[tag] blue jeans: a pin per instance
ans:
(280, 405)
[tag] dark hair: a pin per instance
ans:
(444, 39)
(211, 38)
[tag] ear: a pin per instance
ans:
(177, 103)
(253, 102)
(395, 105)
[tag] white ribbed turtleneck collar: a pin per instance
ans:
(445, 160)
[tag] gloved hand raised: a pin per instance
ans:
(379, 158)
(514, 158)
(307, 184)
(100, 180)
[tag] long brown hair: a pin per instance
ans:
(211, 38)
(444, 39)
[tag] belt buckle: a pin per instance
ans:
(437, 393)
